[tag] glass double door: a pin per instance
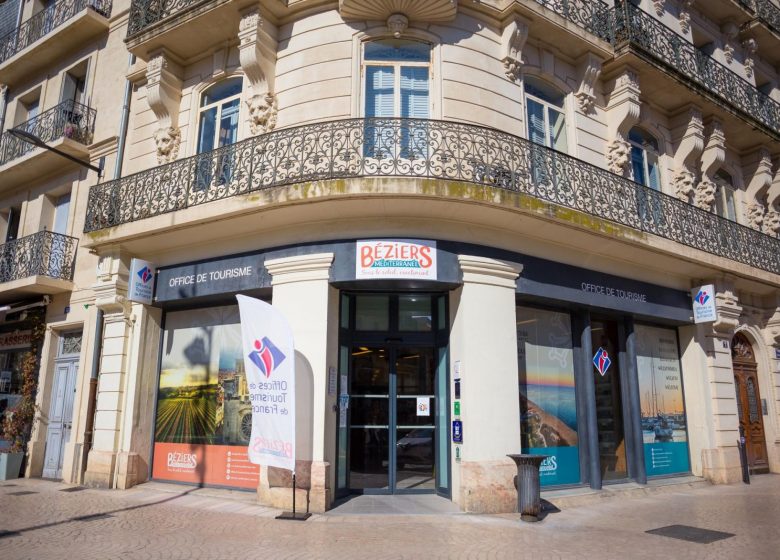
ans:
(392, 418)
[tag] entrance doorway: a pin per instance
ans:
(61, 409)
(751, 422)
(609, 402)
(393, 413)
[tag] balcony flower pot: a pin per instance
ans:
(10, 465)
(69, 130)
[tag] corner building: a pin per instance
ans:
(483, 221)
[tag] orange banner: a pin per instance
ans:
(219, 465)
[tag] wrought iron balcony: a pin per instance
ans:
(46, 21)
(766, 11)
(422, 149)
(594, 16)
(144, 13)
(642, 32)
(69, 119)
(41, 254)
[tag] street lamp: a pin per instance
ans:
(31, 138)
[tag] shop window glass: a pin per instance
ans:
(372, 313)
(203, 421)
(664, 425)
(414, 313)
(548, 406)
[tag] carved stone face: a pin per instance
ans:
(772, 223)
(755, 214)
(617, 156)
(683, 183)
(705, 195)
(167, 141)
(262, 113)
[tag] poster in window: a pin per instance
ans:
(548, 407)
(664, 426)
(204, 415)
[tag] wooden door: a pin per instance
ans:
(60, 417)
(749, 407)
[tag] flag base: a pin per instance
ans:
(293, 516)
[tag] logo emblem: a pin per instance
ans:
(145, 274)
(702, 297)
(266, 356)
(601, 361)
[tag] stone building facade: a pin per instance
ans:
(486, 223)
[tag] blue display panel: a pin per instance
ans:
(548, 405)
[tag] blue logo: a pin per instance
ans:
(702, 297)
(601, 361)
(145, 274)
(266, 356)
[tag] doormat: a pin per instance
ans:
(690, 534)
(73, 489)
(21, 493)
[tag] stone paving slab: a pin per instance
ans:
(149, 524)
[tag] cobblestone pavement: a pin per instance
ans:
(149, 523)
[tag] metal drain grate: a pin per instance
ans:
(73, 489)
(690, 534)
(21, 493)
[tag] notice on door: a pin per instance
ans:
(423, 406)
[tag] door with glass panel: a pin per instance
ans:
(218, 128)
(546, 122)
(393, 417)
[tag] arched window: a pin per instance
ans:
(644, 158)
(545, 114)
(218, 115)
(397, 79)
(724, 196)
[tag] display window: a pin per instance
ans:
(664, 427)
(548, 405)
(204, 417)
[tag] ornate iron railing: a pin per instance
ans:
(643, 32)
(41, 254)
(69, 119)
(45, 21)
(766, 11)
(594, 16)
(426, 149)
(144, 13)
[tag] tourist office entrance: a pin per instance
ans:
(598, 376)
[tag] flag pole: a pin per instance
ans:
(293, 515)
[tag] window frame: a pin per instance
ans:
(547, 106)
(219, 105)
(646, 148)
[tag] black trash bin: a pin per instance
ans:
(529, 503)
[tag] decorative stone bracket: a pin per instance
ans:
(729, 309)
(758, 166)
(623, 110)
(730, 32)
(750, 47)
(512, 42)
(589, 70)
(772, 218)
(257, 56)
(712, 159)
(163, 93)
(112, 283)
(685, 16)
(688, 127)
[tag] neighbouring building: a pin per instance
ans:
(487, 223)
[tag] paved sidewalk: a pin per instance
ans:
(183, 523)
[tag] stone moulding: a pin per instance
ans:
(428, 11)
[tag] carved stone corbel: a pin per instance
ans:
(712, 159)
(757, 166)
(257, 56)
(685, 16)
(112, 283)
(730, 32)
(689, 128)
(773, 193)
(729, 309)
(772, 329)
(771, 224)
(590, 70)
(163, 93)
(660, 7)
(623, 110)
(750, 47)
(513, 40)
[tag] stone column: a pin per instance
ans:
(301, 291)
(720, 455)
(483, 345)
(111, 297)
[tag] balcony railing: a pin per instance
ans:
(594, 16)
(422, 149)
(765, 11)
(41, 254)
(645, 33)
(144, 13)
(46, 21)
(69, 119)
